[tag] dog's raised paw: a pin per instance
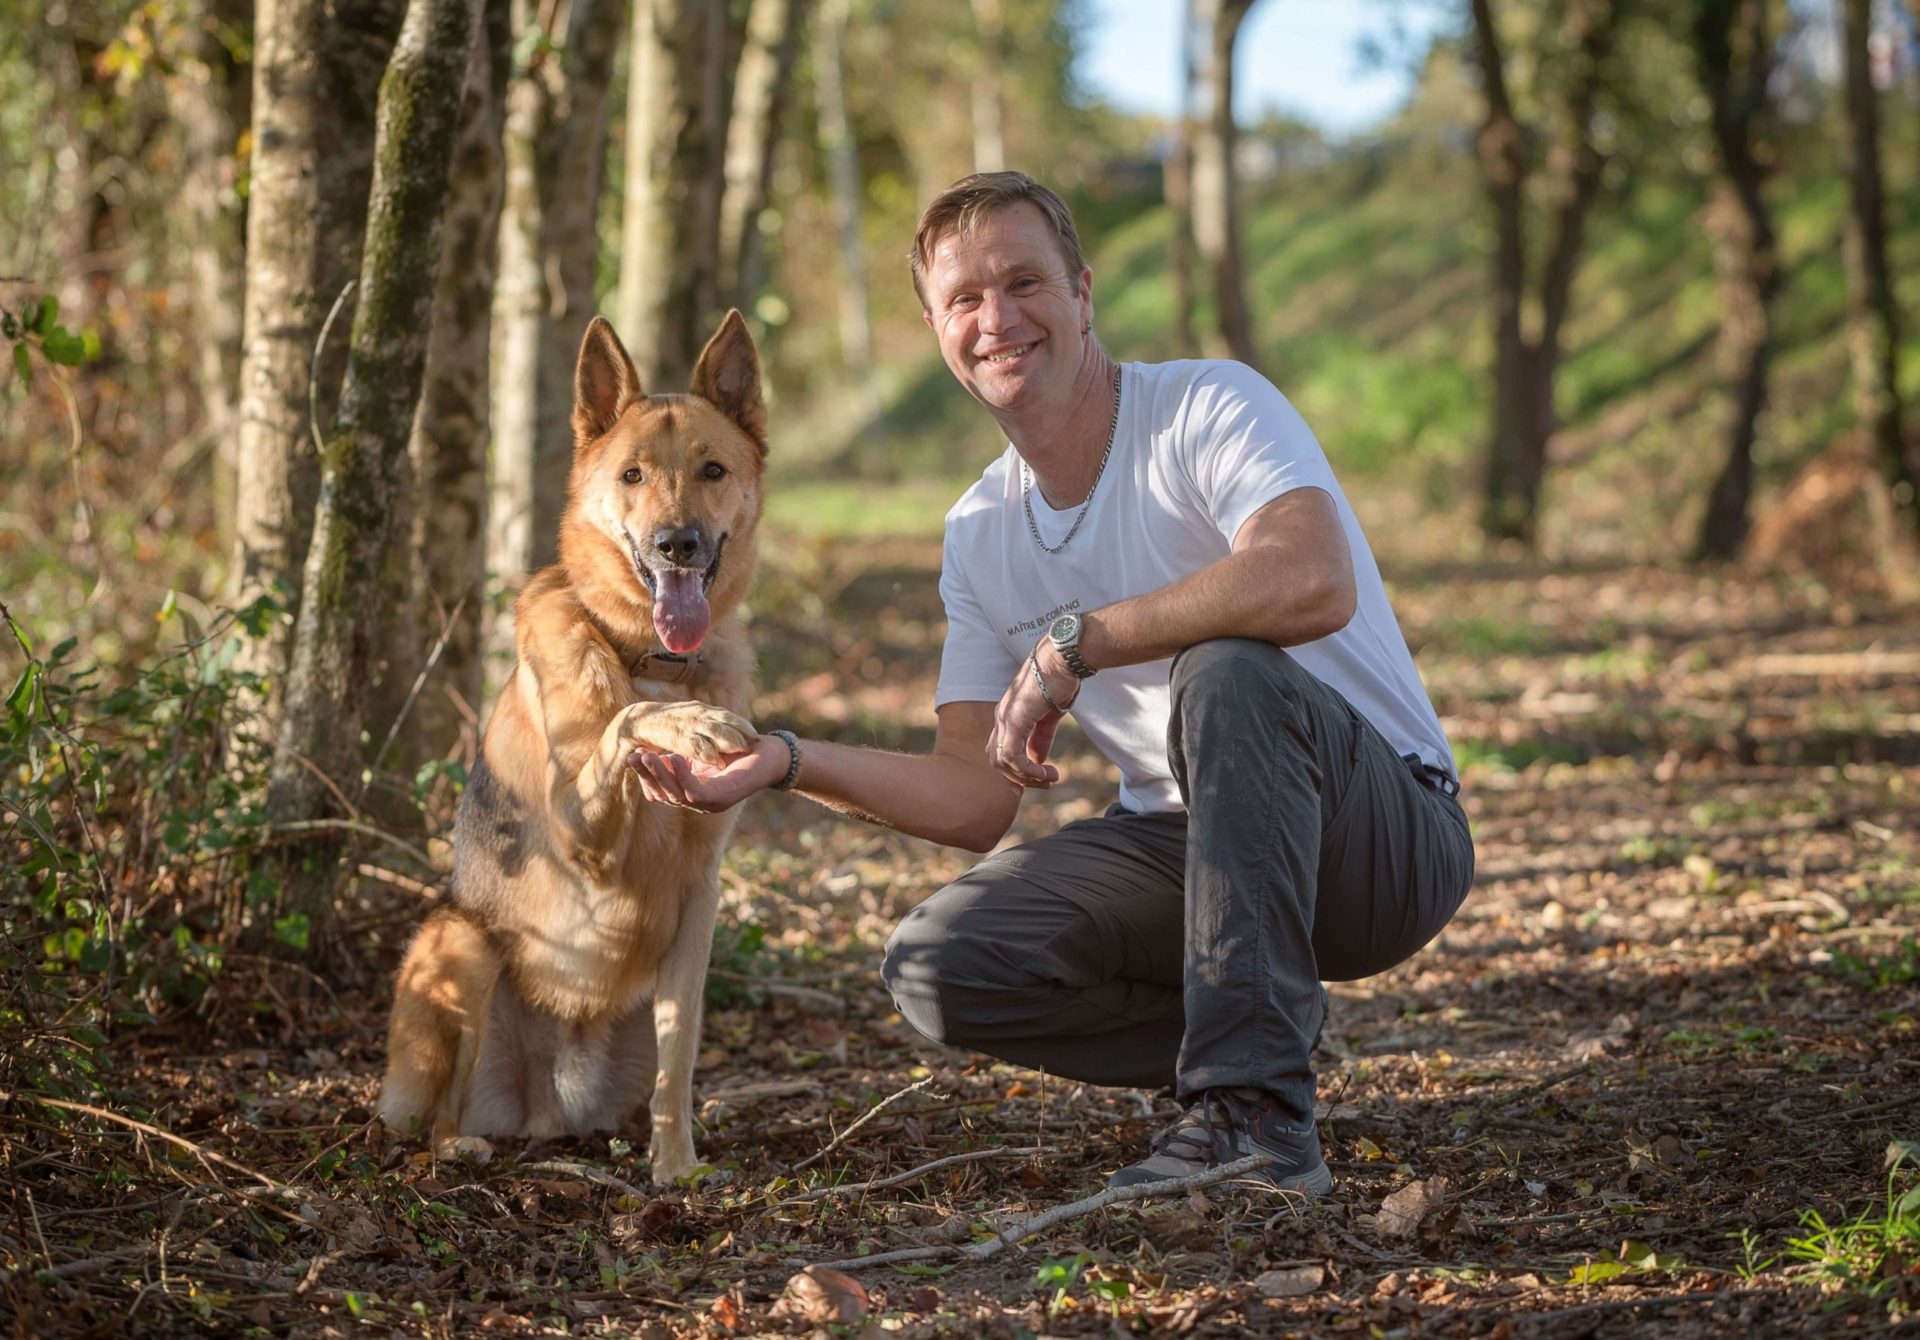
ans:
(697, 730)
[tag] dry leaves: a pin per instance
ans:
(1401, 1213)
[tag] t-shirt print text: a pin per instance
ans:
(1028, 625)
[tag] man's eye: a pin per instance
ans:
(715, 470)
(1026, 283)
(633, 475)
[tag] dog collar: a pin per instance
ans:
(672, 666)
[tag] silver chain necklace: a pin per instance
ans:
(1026, 481)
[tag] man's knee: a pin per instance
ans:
(1238, 673)
(935, 971)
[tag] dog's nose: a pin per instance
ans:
(677, 544)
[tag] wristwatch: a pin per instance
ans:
(1064, 632)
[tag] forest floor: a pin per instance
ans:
(1647, 1082)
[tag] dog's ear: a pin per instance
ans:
(604, 382)
(728, 377)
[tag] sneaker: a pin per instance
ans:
(1229, 1124)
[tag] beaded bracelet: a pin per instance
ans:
(793, 759)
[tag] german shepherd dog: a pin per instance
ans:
(561, 985)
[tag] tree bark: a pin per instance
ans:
(1527, 362)
(1176, 185)
(556, 136)
(760, 95)
(211, 97)
(364, 463)
(445, 586)
(1215, 186)
(989, 129)
(1873, 314)
(317, 66)
(1733, 52)
(676, 145)
(843, 185)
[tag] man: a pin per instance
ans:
(1164, 552)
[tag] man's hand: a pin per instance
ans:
(1024, 722)
(673, 779)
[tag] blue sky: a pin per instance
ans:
(1301, 56)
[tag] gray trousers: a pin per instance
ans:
(1188, 949)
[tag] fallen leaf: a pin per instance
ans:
(1290, 1282)
(825, 1297)
(1402, 1212)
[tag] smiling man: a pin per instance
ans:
(1163, 552)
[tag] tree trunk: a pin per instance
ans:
(1733, 51)
(317, 67)
(364, 462)
(760, 96)
(989, 133)
(211, 97)
(676, 146)
(1176, 185)
(446, 518)
(1527, 363)
(556, 136)
(1873, 318)
(843, 184)
(1216, 215)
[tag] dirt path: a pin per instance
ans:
(1678, 1015)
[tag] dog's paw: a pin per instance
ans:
(696, 730)
(671, 1158)
(464, 1149)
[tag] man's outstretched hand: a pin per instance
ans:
(1024, 722)
(673, 779)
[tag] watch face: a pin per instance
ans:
(1065, 628)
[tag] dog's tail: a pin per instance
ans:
(440, 1009)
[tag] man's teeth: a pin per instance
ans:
(1009, 355)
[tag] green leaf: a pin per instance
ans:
(20, 701)
(1596, 1272)
(62, 346)
(23, 364)
(49, 312)
(35, 312)
(295, 929)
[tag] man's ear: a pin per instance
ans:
(605, 383)
(728, 377)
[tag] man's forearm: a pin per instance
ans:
(934, 796)
(1254, 594)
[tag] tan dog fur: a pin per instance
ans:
(522, 1007)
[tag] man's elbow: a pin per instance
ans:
(1329, 609)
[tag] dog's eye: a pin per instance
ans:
(632, 476)
(715, 470)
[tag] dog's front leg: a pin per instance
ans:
(603, 790)
(676, 1022)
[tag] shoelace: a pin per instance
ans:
(1198, 1135)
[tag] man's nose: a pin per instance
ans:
(998, 311)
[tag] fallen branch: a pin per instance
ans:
(880, 1183)
(1015, 1234)
(866, 1117)
(198, 1151)
(587, 1171)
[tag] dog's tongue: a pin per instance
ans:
(680, 612)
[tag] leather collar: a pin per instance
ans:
(671, 666)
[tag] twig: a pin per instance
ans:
(313, 370)
(1629, 1304)
(199, 1151)
(1017, 1233)
(590, 1173)
(369, 870)
(866, 1117)
(419, 680)
(912, 1174)
(774, 986)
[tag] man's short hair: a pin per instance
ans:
(971, 199)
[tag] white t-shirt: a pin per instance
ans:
(1200, 447)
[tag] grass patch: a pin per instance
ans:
(863, 510)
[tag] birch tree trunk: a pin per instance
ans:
(1733, 51)
(760, 94)
(210, 97)
(1215, 187)
(989, 133)
(843, 186)
(676, 146)
(317, 67)
(446, 519)
(556, 138)
(1873, 312)
(365, 463)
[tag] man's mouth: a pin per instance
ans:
(1007, 355)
